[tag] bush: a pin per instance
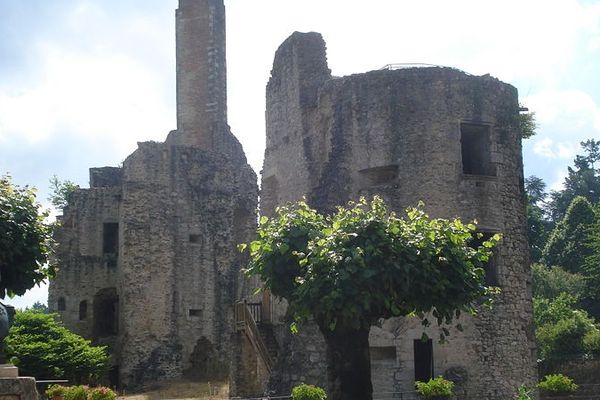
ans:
(42, 347)
(591, 342)
(56, 390)
(101, 393)
(564, 337)
(438, 387)
(558, 383)
(308, 392)
(77, 393)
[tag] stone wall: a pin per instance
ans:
(433, 134)
(150, 248)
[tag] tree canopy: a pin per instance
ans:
(362, 263)
(568, 244)
(25, 240)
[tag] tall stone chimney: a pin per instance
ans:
(201, 72)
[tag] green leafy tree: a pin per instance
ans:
(42, 347)
(568, 245)
(550, 282)
(25, 240)
(561, 329)
(591, 267)
(583, 180)
(350, 269)
(61, 191)
(39, 307)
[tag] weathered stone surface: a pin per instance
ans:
(148, 258)
(398, 133)
(18, 389)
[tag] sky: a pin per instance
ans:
(82, 81)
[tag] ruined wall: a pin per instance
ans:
(432, 134)
(184, 211)
(154, 243)
(85, 267)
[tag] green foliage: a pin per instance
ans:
(362, 263)
(568, 245)
(550, 311)
(527, 124)
(561, 328)
(79, 392)
(524, 393)
(308, 392)
(557, 383)
(25, 240)
(539, 226)
(583, 180)
(591, 342)
(549, 283)
(39, 307)
(56, 390)
(42, 347)
(435, 388)
(61, 191)
(101, 393)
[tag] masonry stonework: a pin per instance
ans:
(148, 258)
(436, 135)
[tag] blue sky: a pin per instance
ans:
(81, 81)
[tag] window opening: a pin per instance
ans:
(475, 140)
(82, 310)
(490, 267)
(195, 239)
(423, 351)
(377, 176)
(386, 353)
(62, 304)
(195, 313)
(110, 243)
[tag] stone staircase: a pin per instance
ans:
(268, 337)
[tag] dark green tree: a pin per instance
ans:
(550, 282)
(348, 270)
(539, 226)
(42, 347)
(568, 245)
(591, 268)
(25, 240)
(583, 180)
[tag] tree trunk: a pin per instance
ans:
(348, 364)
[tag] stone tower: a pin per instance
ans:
(201, 71)
(408, 134)
(148, 258)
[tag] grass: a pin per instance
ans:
(184, 390)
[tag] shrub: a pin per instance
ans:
(56, 390)
(101, 393)
(591, 342)
(42, 347)
(438, 387)
(308, 392)
(77, 393)
(558, 383)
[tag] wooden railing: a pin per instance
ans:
(244, 322)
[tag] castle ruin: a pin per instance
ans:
(147, 254)
(148, 259)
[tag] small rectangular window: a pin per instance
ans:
(83, 310)
(195, 313)
(110, 236)
(491, 269)
(475, 141)
(387, 353)
(377, 176)
(62, 304)
(195, 239)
